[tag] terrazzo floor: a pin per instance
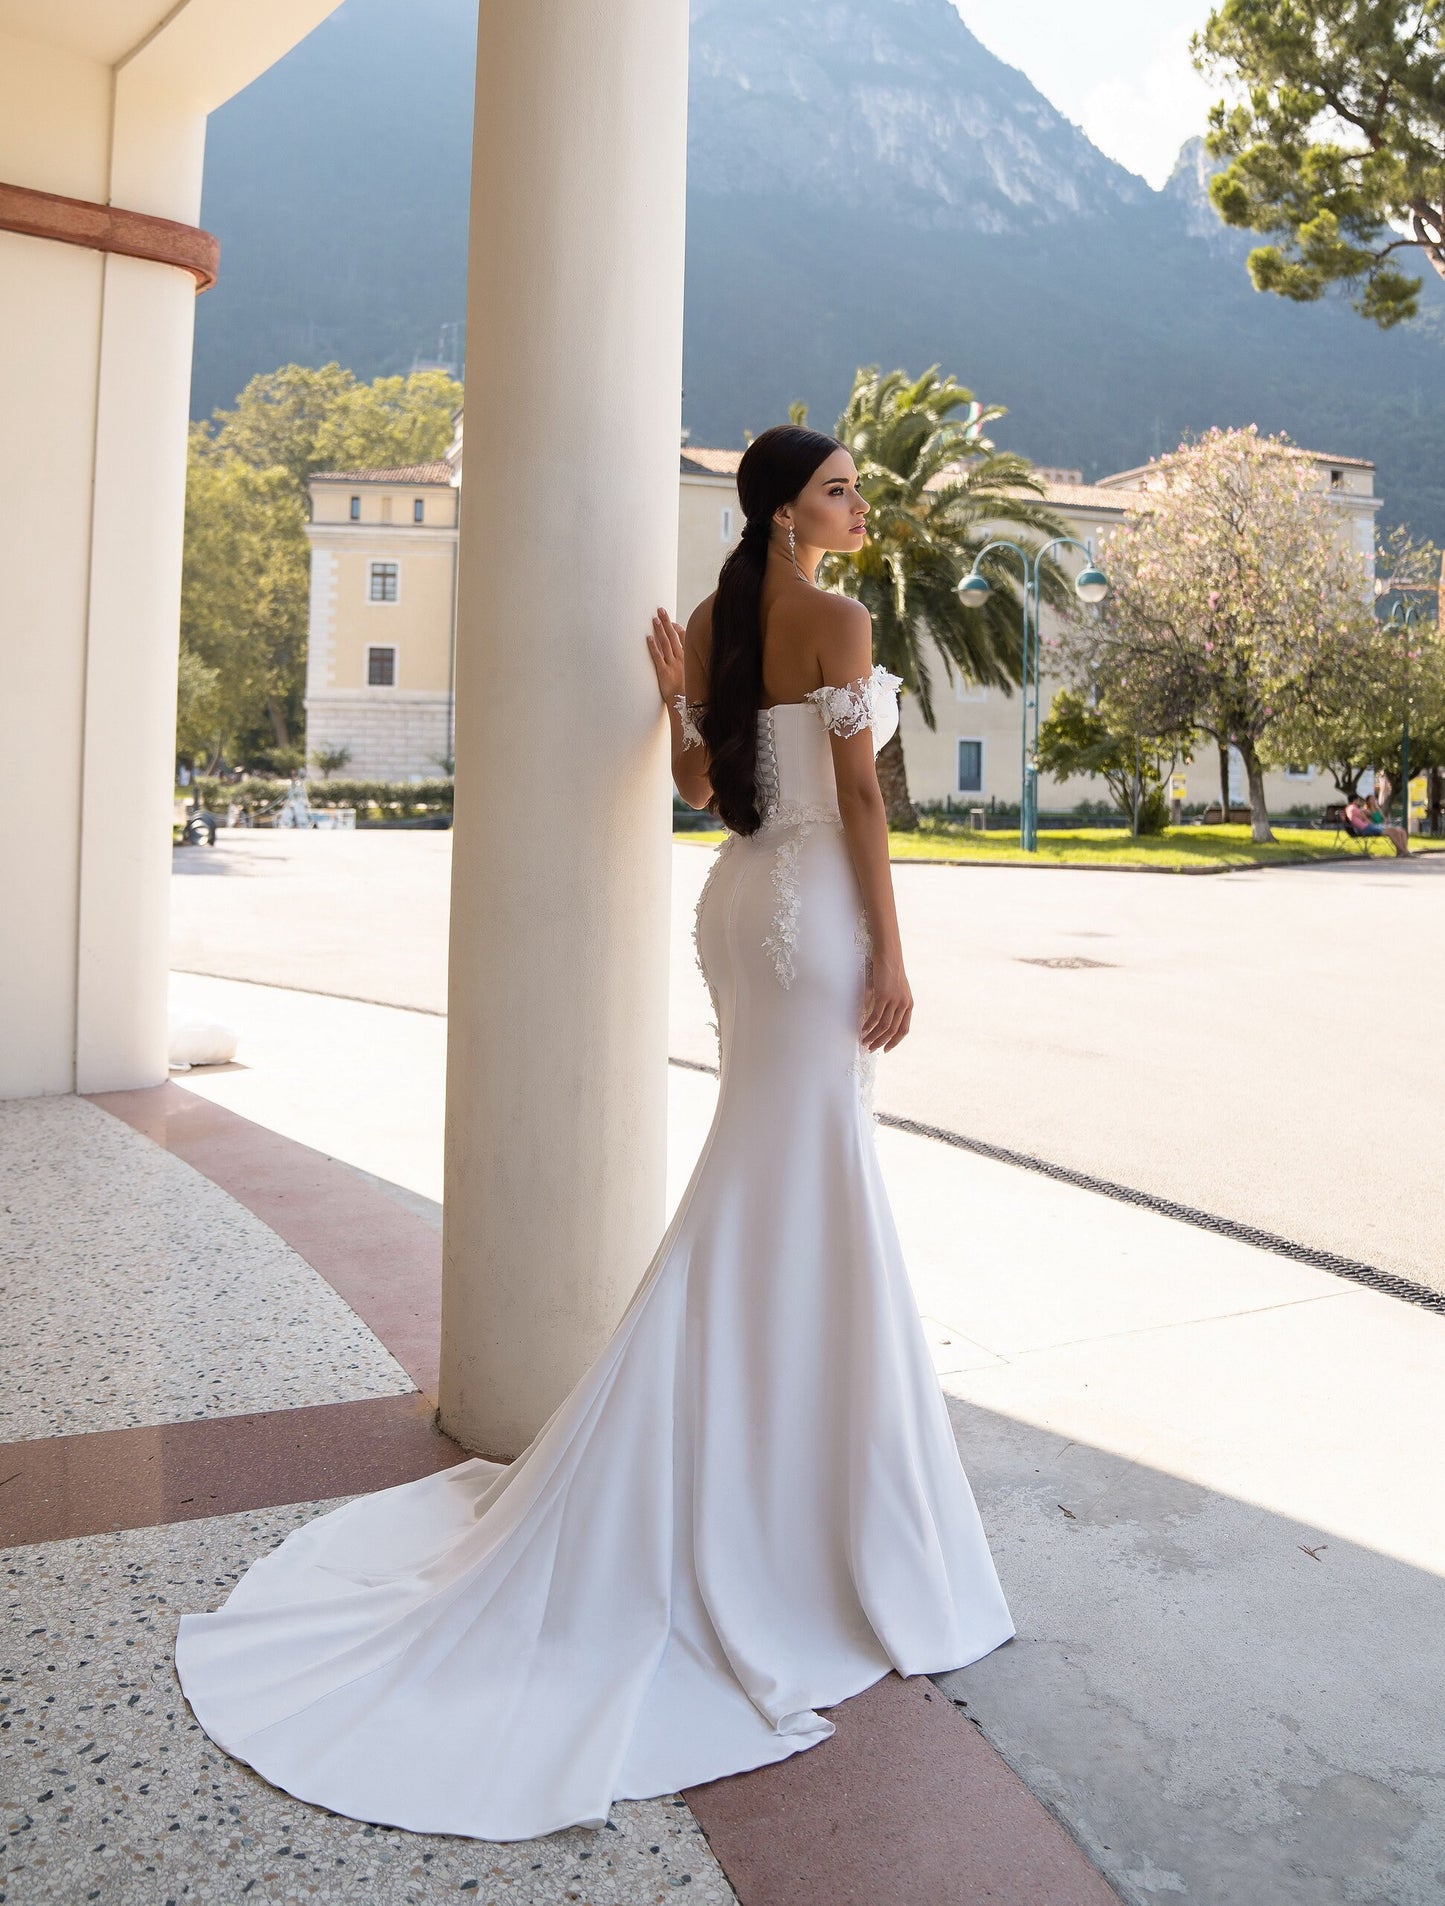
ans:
(133, 1290)
(112, 1794)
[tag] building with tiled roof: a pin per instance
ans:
(380, 657)
(438, 471)
(383, 613)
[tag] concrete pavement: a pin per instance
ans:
(1233, 1044)
(1209, 1476)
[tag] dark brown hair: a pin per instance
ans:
(773, 470)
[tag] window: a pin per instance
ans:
(418, 510)
(356, 509)
(1293, 773)
(380, 668)
(970, 767)
(725, 525)
(1337, 479)
(384, 582)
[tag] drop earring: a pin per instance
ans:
(793, 554)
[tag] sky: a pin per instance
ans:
(1118, 68)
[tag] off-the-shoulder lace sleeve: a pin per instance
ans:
(852, 707)
(688, 713)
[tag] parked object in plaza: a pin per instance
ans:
(200, 1042)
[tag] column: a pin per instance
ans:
(95, 354)
(556, 1073)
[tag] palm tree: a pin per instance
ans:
(939, 491)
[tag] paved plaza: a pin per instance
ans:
(1266, 1046)
(1205, 1472)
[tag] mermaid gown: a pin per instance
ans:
(750, 1506)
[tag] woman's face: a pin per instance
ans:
(828, 512)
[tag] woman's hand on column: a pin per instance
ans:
(664, 645)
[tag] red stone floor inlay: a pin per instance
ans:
(57, 1486)
(907, 1805)
(385, 1261)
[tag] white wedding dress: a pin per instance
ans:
(751, 1505)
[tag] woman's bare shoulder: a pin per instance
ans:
(842, 632)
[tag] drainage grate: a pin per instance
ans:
(1065, 962)
(1405, 1288)
(1402, 1287)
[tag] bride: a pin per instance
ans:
(751, 1506)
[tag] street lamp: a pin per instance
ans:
(1090, 585)
(1401, 617)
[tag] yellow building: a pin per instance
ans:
(379, 676)
(381, 645)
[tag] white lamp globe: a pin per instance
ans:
(1091, 584)
(974, 590)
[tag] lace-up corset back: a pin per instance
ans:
(795, 760)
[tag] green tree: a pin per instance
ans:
(304, 419)
(1352, 717)
(1234, 599)
(1336, 147)
(246, 574)
(278, 419)
(244, 592)
(198, 711)
(389, 423)
(331, 760)
(1080, 736)
(937, 491)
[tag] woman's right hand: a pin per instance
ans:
(887, 1005)
(664, 645)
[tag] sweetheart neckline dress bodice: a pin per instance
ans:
(749, 1507)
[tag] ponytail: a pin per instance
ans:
(774, 468)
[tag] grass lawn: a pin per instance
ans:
(1179, 850)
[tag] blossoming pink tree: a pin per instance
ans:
(1235, 595)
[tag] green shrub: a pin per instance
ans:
(373, 800)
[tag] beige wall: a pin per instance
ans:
(405, 729)
(988, 715)
(417, 625)
(709, 522)
(385, 503)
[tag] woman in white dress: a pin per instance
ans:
(751, 1506)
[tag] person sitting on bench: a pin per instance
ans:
(1363, 817)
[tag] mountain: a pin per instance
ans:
(893, 106)
(867, 184)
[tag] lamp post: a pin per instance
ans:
(1090, 585)
(1401, 617)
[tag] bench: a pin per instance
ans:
(1345, 830)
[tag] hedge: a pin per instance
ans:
(379, 800)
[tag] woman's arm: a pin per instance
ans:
(845, 651)
(665, 644)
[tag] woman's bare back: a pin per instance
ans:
(794, 615)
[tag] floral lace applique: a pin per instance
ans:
(782, 942)
(789, 825)
(850, 708)
(688, 713)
